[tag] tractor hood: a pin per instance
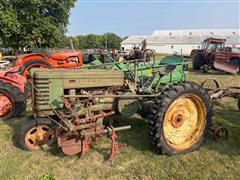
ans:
(66, 55)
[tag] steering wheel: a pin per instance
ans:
(149, 58)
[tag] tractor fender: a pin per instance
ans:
(24, 58)
(12, 76)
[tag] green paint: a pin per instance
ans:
(56, 93)
(54, 84)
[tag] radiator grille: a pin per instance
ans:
(41, 95)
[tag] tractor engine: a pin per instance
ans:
(80, 99)
(81, 88)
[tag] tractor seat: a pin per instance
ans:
(164, 70)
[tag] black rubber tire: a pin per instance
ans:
(145, 109)
(161, 105)
(236, 61)
(31, 62)
(198, 61)
(29, 124)
(17, 98)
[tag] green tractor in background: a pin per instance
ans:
(70, 105)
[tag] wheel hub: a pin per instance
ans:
(5, 105)
(38, 136)
(177, 120)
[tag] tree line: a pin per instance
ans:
(107, 40)
(43, 24)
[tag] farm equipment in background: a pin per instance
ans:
(62, 59)
(13, 93)
(216, 92)
(3, 62)
(138, 52)
(214, 54)
(70, 105)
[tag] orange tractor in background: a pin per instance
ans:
(62, 59)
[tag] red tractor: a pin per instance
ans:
(50, 60)
(13, 93)
(214, 54)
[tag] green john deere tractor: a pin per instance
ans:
(69, 106)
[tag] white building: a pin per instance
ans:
(181, 41)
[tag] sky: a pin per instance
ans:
(142, 17)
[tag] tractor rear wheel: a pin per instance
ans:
(36, 133)
(198, 62)
(180, 118)
(12, 101)
(35, 63)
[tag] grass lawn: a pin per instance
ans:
(214, 160)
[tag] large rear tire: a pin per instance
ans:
(35, 134)
(35, 63)
(12, 101)
(198, 62)
(180, 118)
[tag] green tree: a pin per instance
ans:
(39, 22)
(93, 41)
(97, 41)
(111, 40)
(81, 42)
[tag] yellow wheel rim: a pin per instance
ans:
(184, 121)
(37, 136)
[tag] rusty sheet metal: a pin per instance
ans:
(70, 146)
(226, 66)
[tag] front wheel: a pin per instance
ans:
(36, 133)
(180, 119)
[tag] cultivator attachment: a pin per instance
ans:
(226, 66)
(80, 145)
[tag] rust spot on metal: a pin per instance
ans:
(219, 131)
